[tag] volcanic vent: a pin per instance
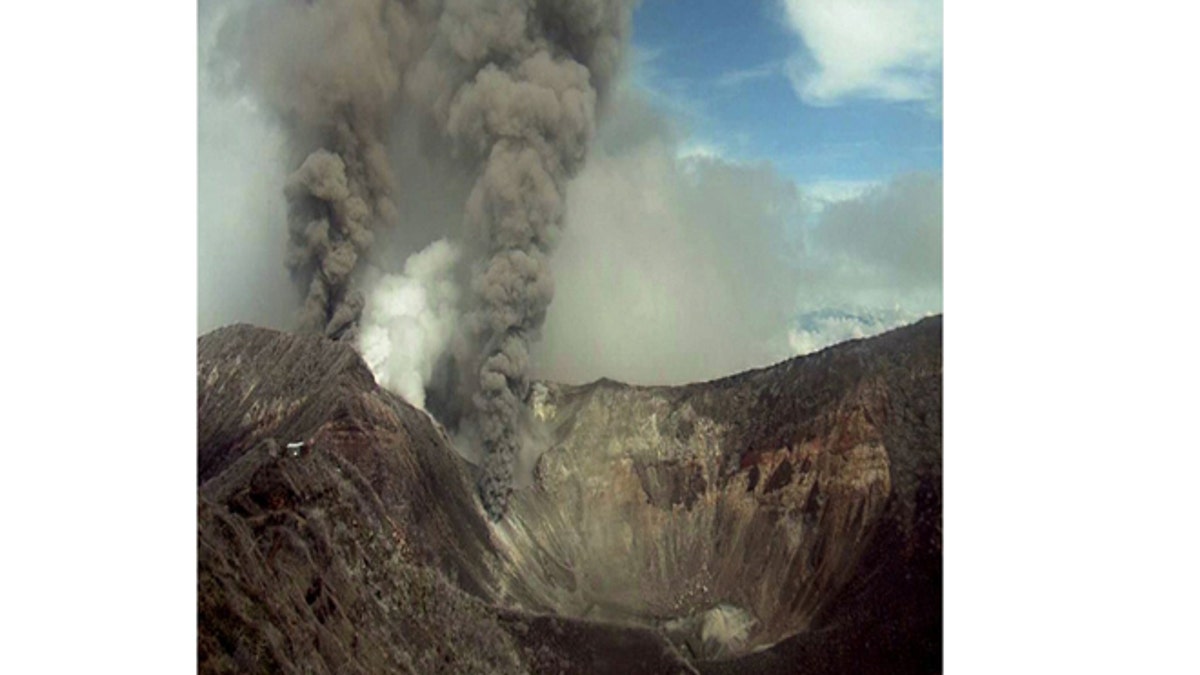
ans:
(783, 519)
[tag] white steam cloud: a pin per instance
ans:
(409, 321)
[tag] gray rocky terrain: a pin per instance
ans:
(786, 519)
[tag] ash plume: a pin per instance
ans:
(509, 89)
(527, 79)
(330, 72)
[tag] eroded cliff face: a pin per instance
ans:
(779, 520)
(364, 550)
(728, 513)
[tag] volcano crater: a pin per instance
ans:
(780, 518)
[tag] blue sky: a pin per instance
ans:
(728, 72)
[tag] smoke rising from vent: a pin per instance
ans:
(514, 87)
(409, 321)
(330, 73)
(508, 88)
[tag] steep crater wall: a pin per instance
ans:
(729, 514)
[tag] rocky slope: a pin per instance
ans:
(781, 520)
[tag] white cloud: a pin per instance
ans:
(893, 232)
(736, 78)
(883, 49)
(814, 331)
(700, 150)
(826, 193)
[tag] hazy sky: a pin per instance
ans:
(770, 185)
(766, 182)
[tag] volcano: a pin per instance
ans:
(781, 520)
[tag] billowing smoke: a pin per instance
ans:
(508, 89)
(330, 72)
(527, 115)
